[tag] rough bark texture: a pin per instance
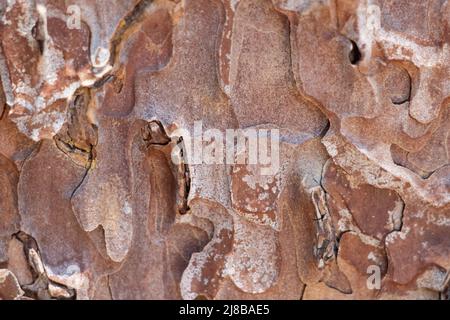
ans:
(92, 205)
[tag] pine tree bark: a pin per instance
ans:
(224, 149)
